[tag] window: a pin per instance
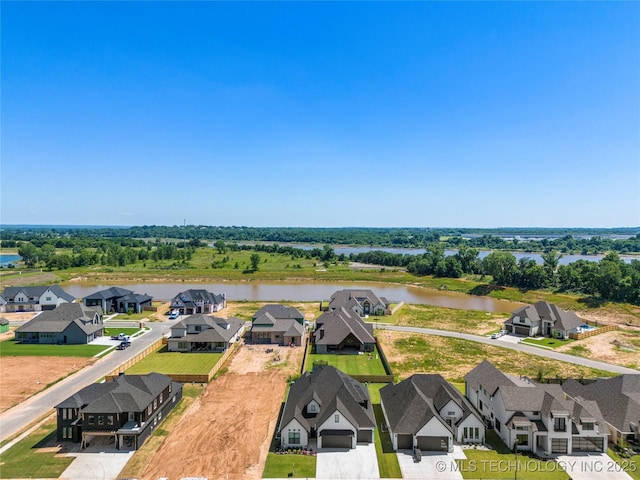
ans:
(90, 419)
(588, 426)
(312, 407)
(523, 439)
(155, 403)
(100, 419)
(336, 418)
(161, 398)
(294, 438)
(480, 406)
(48, 299)
(451, 414)
(64, 414)
(109, 419)
(559, 424)
(182, 345)
(497, 425)
(170, 388)
(477, 432)
(150, 409)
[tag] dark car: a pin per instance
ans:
(123, 345)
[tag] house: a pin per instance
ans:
(535, 417)
(69, 323)
(330, 407)
(427, 412)
(120, 300)
(204, 333)
(619, 401)
(342, 331)
(545, 319)
(194, 301)
(278, 324)
(4, 325)
(128, 409)
(33, 299)
(362, 302)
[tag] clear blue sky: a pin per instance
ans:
(321, 114)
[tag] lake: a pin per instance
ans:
(6, 259)
(309, 292)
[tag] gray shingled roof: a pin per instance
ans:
(216, 328)
(189, 297)
(279, 312)
(618, 398)
(338, 324)
(561, 319)
(37, 291)
(342, 298)
(113, 292)
(288, 327)
(4, 321)
(58, 319)
(332, 390)
(488, 376)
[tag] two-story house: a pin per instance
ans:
(535, 417)
(543, 318)
(427, 412)
(194, 301)
(69, 323)
(120, 300)
(33, 299)
(126, 409)
(278, 324)
(342, 331)
(362, 302)
(204, 333)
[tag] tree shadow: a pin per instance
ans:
(485, 290)
(592, 302)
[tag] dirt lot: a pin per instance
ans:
(227, 431)
(619, 347)
(22, 377)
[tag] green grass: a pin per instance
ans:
(289, 465)
(177, 363)
(461, 386)
(502, 463)
(630, 465)
(387, 458)
(547, 342)
(115, 331)
(350, 364)
(23, 460)
(11, 348)
(134, 316)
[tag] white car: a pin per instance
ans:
(495, 335)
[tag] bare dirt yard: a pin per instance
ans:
(620, 347)
(227, 432)
(22, 377)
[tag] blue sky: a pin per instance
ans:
(321, 114)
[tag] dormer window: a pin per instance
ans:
(312, 407)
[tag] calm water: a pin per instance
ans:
(6, 259)
(308, 292)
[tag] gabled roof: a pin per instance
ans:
(332, 390)
(126, 393)
(288, 327)
(346, 297)
(199, 295)
(135, 298)
(333, 327)
(488, 376)
(113, 292)
(58, 319)
(278, 311)
(4, 321)
(37, 291)
(217, 329)
(410, 404)
(618, 398)
(545, 311)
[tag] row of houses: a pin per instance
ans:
(328, 409)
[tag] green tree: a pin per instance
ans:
(255, 262)
(550, 261)
(29, 254)
(501, 266)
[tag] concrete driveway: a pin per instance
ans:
(592, 466)
(360, 462)
(510, 338)
(438, 465)
(96, 466)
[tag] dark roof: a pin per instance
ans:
(288, 327)
(191, 296)
(4, 321)
(488, 376)
(333, 327)
(618, 398)
(332, 390)
(346, 297)
(217, 329)
(561, 319)
(58, 319)
(113, 292)
(37, 291)
(136, 298)
(126, 393)
(280, 312)
(410, 404)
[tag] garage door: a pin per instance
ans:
(405, 441)
(435, 444)
(588, 444)
(48, 307)
(521, 330)
(558, 445)
(365, 436)
(336, 441)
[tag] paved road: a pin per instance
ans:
(520, 347)
(19, 417)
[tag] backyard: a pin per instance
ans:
(364, 364)
(176, 363)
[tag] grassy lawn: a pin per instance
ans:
(115, 331)
(502, 463)
(133, 316)
(137, 463)
(166, 362)
(630, 465)
(387, 458)
(23, 460)
(547, 342)
(350, 364)
(289, 465)
(11, 348)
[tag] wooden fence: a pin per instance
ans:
(591, 333)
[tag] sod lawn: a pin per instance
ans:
(11, 348)
(547, 342)
(289, 466)
(116, 330)
(364, 364)
(177, 363)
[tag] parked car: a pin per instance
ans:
(503, 332)
(174, 314)
(121, 337)
(495, 335)
(124, 345)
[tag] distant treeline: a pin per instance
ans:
(568, 243)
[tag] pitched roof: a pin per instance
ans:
(4, 321)
(191, 296)
(488, 376)
(618, 398)
(126, 393)
(333, 327)
(136, 298)
(113, 292)
(561, 319)
(332, 390)
(346, 297)
(288, 327)
(279, 312)
(410, 404)
(58, 319)
(217, 329)
(37, 291)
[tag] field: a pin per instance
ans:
(350, 364)
(413, 353)
(11, 348)
(177, 363)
